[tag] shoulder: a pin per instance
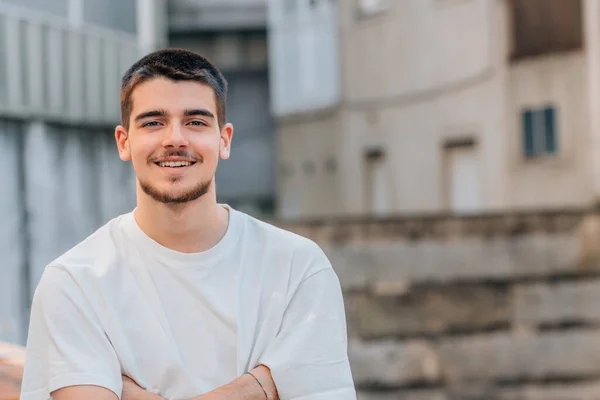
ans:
(303, 252)
(97, 254)
(283, 238)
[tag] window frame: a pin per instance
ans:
(539, 132)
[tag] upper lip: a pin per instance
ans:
(174, 159)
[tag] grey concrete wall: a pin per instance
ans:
(488, 307)
(11, 239)
(76, 184)
(69, 183)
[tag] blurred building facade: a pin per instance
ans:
(427, 106)
(60, 68)
(232, 35)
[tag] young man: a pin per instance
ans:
(182, 297)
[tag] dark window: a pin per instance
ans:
(309, 167)
(330, 164)
(539, 131)
(546, 26)
(287, 169)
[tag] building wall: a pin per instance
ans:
(59, 104)
(62, 183)
(304, 55)
(502, 307)
(418, 78)
(425, 45)
(75, 186)
(56, 70)
(564, 179)
(422, 94)
(310, 166)
(12, 307)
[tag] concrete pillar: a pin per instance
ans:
(592, 44)
(151, 25)
(76, 17)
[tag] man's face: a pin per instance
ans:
(174, 140)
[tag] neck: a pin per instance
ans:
(190, 227)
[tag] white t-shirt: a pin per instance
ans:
(184, 324)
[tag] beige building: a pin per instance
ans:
(427, 106)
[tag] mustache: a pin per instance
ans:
(175, 153)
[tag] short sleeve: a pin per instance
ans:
(66, 344)
(309, 356)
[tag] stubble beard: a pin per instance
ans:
(169, 198)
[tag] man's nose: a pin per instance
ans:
(175, 137)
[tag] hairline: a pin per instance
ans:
(137, 79)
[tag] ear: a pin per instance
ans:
(122, 138)
(225, 145)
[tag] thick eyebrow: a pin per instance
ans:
(198, 111)
(153, 113)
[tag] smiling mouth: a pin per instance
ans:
(174, 164)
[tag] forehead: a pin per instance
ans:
(172, 96)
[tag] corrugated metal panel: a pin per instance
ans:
(75, 72)
(112, 72)
(11, 234)
(14, 73)
(54, 44)
(3, 64)
(93, 78)
(33, 73)
(304, 51)
(82, 182)
(51, 70)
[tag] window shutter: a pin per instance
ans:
(528, 133)
(550, 131)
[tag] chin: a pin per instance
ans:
(176, 193)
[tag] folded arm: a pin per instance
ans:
(242, 388)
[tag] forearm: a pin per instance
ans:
(243, 388)
(142, 395)
(246, 388)
(131, 391)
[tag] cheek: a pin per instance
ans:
(207, 147)
(139, 155)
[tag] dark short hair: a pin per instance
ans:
(176, 65)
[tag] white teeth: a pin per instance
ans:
(175, 163)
